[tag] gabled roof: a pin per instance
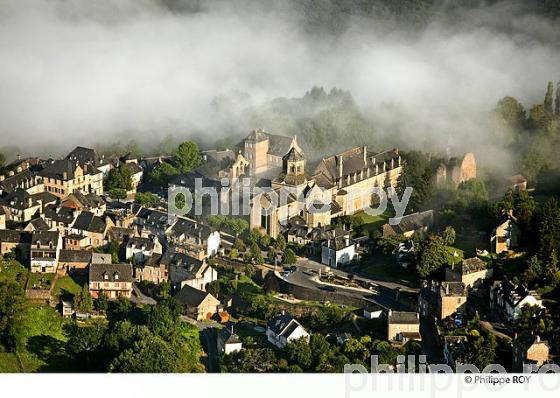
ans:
(58, 214)
(63, 169)
(74, 256)
(45, 238)
(293, 155)
(109, 273)
(403, 317)
(283, 325)
(18, 199)
(193, 297)
(83, 155)
(18, 237)
(89, 222)
(352, 162)
(412, 222)
(141, 242)
(228, 337)
(38, 224)
(190, 229)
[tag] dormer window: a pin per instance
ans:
(116, 276)
(105, 276)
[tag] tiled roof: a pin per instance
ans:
(97, 272)
(192, 297)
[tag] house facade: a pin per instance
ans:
(112, 280)
(45, 251)
(283, 329)
(403, 326)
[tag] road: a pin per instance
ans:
(430, 341)
(384, 294)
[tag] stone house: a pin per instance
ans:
(528, 349)
(403, 326)
(471, 271)
(457, 170)
(264, 151)
(505, 235)
(408, 225)
(199, 304)
(65, 176)
(11, 240)
(74, 260)
(113, 280)
(452, 299)
(194, 237)
(140, 249)
(152, 270)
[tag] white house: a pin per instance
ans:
(338, 251)
(186, 270)
(228, 342)
(373, 311)
(510, 299)
(141, 249)
(282, 329)
(45, 250)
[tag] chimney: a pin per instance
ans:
(447, 288)
(65, 176)
(396, 150)
(365, 154)
(538, 338)
(29, 202)
(283, 312)
(339, 161)
(399, 160)
(347, 240)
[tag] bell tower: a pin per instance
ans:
(293, 163)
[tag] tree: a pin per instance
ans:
(449, 236)
(548, 97)
(102, 303)
(299, 353)
(120, 178)
(482, 351)
(187, 156)
(289, 257)
(162, 174)
(117, 194)
(83, 301)
(431, 255)
(114, 249)
(12, 304)
(280, 243)
(272, 254)
(549, 229)
(557, 102)
(84, 342)
(146, 199)
(265, 241)
(511, 114)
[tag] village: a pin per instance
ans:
(288, 287)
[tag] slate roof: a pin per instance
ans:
(11, 236)
(278, 145)
(353, 162)
(412, 222)
(293, 155)
(97, 272)
(192, 297)
(15, 181)
(189, 228)
(141, 242)
(283, 325)
(470, 265)
(134, 168)
(403, 317)
(39, 224)
(57, 169)
(45, 237)
(83, 155)
(228, 337)
(58, 214)
(74, 256)
(88, 221)
(453, 289)
(514, 294)
(18, 199)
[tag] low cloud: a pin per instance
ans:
(92, 72)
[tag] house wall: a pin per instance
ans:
(112, 290)
(393, 329)
(213, 244)
(449, 305)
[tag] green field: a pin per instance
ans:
(373, 223)
(43, 343)
(40, 281)
(67, 286)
